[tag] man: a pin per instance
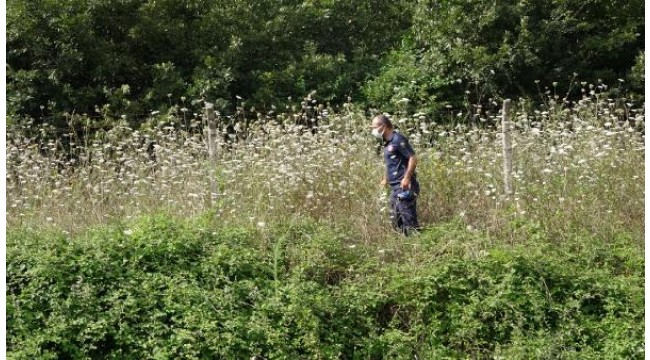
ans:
(400, 161)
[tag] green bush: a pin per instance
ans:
(503, 48)
(162, 288)
(637, 73)
(405, 84)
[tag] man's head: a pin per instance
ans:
(381, 126)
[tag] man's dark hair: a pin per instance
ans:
(384, 120)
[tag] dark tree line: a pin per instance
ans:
(112, 58)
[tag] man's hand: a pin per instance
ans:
(383, 181)
(406, 183)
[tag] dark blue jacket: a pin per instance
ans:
(397, 152)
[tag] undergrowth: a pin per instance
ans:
(161, 288)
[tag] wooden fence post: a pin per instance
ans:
(211, 143)
(507, 149)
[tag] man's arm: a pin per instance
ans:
(410, 169)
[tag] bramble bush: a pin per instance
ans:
(159, 288)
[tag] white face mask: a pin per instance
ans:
(377, 134)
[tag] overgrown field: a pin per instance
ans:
(139, 247)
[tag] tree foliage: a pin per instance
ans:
(508, 45)
(127, 57)
(133, 57)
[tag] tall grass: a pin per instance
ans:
(576, 169)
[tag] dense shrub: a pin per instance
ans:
(513, 48)
(522, 41)
(163, 288)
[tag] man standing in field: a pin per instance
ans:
(400, 161)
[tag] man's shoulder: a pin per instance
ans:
(398, 137)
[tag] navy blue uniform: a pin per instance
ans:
(397, 152)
